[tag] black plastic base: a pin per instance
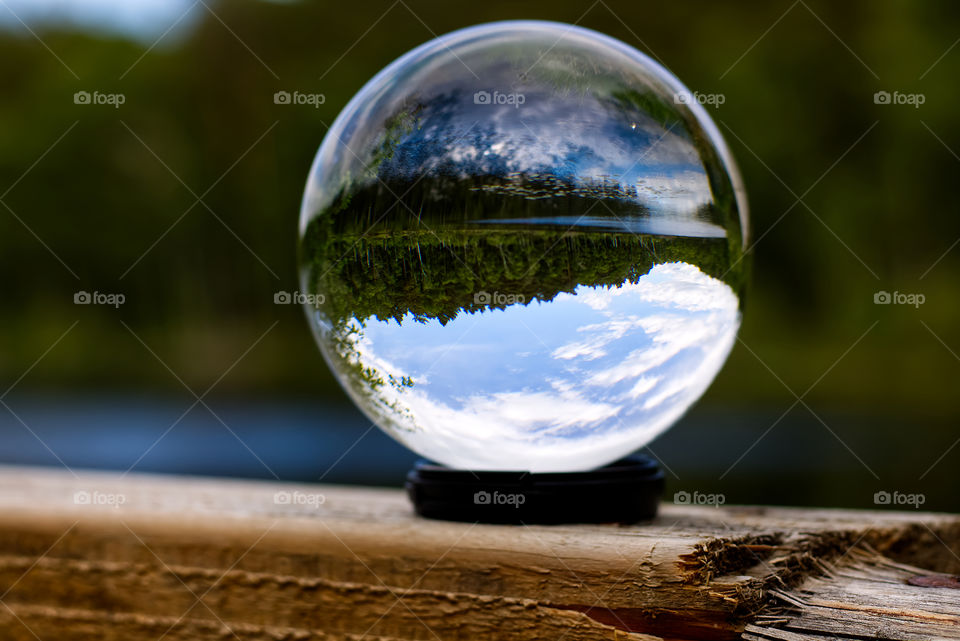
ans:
(623, 492)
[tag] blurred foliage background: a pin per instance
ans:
(185, 199)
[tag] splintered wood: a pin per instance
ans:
(865, 595)
(97, 556)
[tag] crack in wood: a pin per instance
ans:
(363, 566)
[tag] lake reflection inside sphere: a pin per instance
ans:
(524, 245)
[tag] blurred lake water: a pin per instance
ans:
(736, 453)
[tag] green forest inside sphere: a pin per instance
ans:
(524, 244)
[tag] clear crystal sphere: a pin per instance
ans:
(523, 247)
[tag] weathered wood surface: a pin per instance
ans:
(867, 596)
(149, 558)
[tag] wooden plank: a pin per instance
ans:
(866, 595)
(98, 556)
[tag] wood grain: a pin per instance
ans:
(99, 556)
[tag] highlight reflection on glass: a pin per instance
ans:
(528, 243)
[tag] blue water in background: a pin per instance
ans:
(288, 440)
(797, 462)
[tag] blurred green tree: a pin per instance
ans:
(185, 198)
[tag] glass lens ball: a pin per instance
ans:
(522, 244)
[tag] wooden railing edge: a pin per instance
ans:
(83, 553)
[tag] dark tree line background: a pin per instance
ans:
(202, 101)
